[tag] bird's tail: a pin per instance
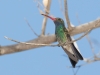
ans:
(75, 48)
(73, 62)
(77, 52)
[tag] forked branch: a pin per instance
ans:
(46, 39)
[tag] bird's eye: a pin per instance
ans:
(59, 19)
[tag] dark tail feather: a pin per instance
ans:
(77, 52)
(73, 62)
(75, 49)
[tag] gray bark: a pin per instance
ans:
(47, 39)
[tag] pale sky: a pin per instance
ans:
(45, 60)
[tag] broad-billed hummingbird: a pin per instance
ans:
(64, 37)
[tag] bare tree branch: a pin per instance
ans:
(61, 7)
(91, 44)
(30, 43)
(84, 27)
(44, 25)
(22, 47)
(47, 4)
(95, 25)
(46, 39)
(66, 15)
(31, 27)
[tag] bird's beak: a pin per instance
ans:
(52, 18)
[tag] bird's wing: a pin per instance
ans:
(74, 48)
(75, 44)
(70, 49)
(70, 53)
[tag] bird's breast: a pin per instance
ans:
(60, 35)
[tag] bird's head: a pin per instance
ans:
(57, 21)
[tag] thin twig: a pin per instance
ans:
(84, 34)
(87, 36)
(66, 15)
(89, 60)
(45, 18)
(60, 4)
(31, 27)
(78, 19)
(73, 71)
(79, 37)
(62, 9)
(29, 43)
(39, 3)
(91, 45)
(79, 66)
(77, 70)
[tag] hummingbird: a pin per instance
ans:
(64, 37)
